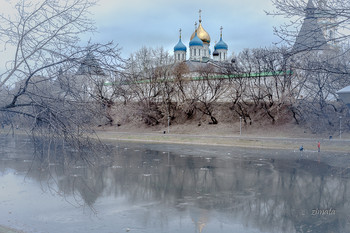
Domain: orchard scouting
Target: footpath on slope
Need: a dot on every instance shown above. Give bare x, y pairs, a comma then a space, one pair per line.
251, 141
334, 152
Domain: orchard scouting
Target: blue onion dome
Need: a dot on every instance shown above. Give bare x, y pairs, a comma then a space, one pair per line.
180, 46
221, 45
196, 41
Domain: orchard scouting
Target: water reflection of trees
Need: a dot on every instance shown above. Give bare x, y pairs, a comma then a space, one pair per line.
271, 195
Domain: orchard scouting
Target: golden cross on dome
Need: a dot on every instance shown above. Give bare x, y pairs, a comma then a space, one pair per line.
195, 26
200, 16
180, 32
221, 31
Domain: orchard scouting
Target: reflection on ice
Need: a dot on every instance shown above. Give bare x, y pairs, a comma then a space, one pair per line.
186, 191
204, 168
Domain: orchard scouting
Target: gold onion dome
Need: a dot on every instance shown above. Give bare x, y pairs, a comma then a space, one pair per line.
202, 34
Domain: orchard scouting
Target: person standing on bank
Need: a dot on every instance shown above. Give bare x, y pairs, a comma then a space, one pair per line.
319, 146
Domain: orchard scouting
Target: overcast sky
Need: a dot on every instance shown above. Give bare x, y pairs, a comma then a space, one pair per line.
154, 23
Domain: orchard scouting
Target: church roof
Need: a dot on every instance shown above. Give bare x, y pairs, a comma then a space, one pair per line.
195, 66
310, 36
196, 41
201, 33
310, 5
221, 45
344, 90
180, 46
90, 66
344, 95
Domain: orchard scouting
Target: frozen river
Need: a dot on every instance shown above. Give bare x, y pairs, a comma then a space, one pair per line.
134, 187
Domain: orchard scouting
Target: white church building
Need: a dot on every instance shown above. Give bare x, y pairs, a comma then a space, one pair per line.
199, 47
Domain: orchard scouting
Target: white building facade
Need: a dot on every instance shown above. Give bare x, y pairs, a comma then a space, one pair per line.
199, 47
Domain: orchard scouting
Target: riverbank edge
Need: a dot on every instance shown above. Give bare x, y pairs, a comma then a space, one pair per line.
4, 229
254, 142
247, 141
334, 152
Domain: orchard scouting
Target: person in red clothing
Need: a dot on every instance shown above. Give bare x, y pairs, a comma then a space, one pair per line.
319, 146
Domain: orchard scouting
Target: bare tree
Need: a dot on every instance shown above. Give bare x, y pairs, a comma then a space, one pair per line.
208, 89
318, 33
45, 37
332, 16
147, 76
265, 84
238, 97
319, 79
184, 97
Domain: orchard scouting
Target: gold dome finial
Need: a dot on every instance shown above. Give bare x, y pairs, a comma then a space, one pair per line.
180, 32
200, 16
201, 33
221, 31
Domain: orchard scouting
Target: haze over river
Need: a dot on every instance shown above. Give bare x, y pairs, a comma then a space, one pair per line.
135, 187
